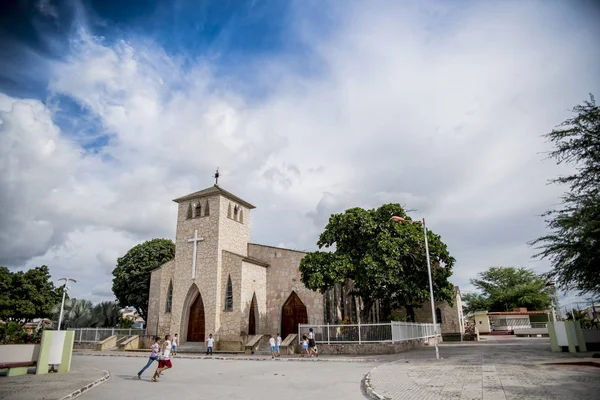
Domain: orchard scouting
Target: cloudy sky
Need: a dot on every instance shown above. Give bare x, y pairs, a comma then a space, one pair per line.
109, 112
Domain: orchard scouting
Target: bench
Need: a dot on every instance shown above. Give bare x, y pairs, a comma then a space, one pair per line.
17, 368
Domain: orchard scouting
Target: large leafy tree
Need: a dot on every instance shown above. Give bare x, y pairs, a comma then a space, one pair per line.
506, 288
573, 244
131, 282
27, 295
385, 260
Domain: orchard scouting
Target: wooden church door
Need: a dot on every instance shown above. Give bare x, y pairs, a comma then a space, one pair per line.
293, 313
195, 331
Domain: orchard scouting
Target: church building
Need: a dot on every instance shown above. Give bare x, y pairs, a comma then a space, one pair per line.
221, 284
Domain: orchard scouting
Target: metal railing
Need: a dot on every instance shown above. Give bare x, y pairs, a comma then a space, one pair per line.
87, 335
390, 332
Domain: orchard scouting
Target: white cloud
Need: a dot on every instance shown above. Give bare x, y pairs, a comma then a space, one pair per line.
444, 119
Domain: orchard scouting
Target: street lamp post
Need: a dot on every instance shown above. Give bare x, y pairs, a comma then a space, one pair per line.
434, 319
62, 305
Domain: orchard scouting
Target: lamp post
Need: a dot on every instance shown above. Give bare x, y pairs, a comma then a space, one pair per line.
62, 305
434, 319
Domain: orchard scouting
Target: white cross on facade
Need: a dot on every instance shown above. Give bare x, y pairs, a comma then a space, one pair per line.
195, 239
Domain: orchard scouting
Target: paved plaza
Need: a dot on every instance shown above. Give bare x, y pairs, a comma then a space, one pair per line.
228, 379
500, 368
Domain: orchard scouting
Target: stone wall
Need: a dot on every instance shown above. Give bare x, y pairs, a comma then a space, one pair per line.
283, 277
372, 348
154, 301
231, 265
254, 282
207, 266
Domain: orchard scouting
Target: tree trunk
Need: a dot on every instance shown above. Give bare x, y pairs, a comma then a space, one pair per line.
366, 310
410, 312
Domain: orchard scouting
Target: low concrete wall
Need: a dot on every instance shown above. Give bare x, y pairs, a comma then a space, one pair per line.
132, 343
372, 348
85, 346
253, 344
11, 353
107, 343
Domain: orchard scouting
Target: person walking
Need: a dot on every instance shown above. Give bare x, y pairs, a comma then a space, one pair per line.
278, 345
153, 356
304, 346
164, 358
210, 343
312, 344
272, 344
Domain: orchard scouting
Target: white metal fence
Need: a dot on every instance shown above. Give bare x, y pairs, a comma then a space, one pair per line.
390, 332
83, 335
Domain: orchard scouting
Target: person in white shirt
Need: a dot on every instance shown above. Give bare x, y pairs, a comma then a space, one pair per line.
272, 344
164, 358
278, 345
210, 342
175, 344
153, 356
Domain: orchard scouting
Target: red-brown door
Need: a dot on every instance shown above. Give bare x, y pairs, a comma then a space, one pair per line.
252, 319
196, 322
293, 313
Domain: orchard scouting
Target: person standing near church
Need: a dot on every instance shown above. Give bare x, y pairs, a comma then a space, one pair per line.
164, 358
153, 356
175, 344
312, 345
272, 344
278, 345
210, 342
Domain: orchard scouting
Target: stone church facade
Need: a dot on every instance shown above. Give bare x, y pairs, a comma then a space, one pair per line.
234, 288
221, 284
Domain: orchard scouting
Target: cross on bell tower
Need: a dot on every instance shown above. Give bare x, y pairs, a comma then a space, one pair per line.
216, 176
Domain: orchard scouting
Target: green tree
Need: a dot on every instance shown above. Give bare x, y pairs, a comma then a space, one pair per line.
77, 313
385, 260
27, 295
131, 282
506, 288
106, 314
573, 245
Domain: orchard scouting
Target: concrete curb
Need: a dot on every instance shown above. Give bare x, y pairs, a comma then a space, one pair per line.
358, 360
368, 387
84, 389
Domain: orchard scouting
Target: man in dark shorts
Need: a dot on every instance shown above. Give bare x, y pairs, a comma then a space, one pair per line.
312, 344
164, 358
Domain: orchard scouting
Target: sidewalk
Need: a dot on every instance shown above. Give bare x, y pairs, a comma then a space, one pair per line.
52, 386
506, 368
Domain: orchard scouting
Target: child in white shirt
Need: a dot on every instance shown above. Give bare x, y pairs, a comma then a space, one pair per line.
272, 344
210, 342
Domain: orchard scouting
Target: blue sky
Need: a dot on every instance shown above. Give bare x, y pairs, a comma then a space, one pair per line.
309, 107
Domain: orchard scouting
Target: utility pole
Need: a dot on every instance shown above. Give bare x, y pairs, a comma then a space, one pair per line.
62, 305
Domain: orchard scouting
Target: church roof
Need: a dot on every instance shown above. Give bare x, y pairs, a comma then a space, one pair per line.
211, 191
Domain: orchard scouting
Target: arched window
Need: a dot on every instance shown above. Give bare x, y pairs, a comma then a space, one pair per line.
229, 211
190, 211
198, 210
438, 315
241, 216
235, 212
206, 209
229, 295
169, 298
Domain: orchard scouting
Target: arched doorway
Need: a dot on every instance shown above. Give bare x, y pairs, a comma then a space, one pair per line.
293, 313
195, 331
252, 317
